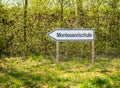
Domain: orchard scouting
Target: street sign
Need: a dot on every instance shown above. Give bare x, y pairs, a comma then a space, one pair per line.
84, 34
76, 34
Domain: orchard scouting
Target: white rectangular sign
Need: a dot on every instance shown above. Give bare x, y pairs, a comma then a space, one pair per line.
84, 34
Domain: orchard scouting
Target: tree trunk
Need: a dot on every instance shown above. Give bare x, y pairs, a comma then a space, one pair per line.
61, 13
25, 19
80, 13
25, 26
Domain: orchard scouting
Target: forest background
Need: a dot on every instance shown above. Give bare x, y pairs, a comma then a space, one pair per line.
24, 25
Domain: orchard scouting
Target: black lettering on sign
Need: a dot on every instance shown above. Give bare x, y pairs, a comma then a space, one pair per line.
74, 35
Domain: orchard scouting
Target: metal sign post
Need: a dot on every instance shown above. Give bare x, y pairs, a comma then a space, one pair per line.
93, 52
57, 51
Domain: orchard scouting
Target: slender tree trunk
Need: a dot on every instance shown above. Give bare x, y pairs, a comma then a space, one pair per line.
80, 13
25, 19
25, 26
4, 32
61, 13
4, 20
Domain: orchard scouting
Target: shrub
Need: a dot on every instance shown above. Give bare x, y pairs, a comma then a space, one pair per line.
97, 83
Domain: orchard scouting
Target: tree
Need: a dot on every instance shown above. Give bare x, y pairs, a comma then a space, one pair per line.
25, 24
80, 12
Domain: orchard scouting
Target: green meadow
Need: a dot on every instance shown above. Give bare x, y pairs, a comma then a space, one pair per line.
36, 72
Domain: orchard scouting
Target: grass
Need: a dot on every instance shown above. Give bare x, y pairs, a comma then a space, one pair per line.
44, 73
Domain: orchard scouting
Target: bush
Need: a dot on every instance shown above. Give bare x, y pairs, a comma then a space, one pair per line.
97, 83
34, 57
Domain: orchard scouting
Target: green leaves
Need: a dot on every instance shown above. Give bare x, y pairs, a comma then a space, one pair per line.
46, 15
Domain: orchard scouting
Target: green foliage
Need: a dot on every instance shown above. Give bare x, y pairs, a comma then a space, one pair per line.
16, 73
44, 16
75, 60
116, 79
97, 83
104, 70
36, 78
60, 67
34, 57
101, 82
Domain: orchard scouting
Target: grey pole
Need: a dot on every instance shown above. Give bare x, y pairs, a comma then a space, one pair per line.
57, 51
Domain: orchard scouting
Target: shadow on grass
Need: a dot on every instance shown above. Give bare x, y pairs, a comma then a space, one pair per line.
29, 80
20, 76
115, 78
